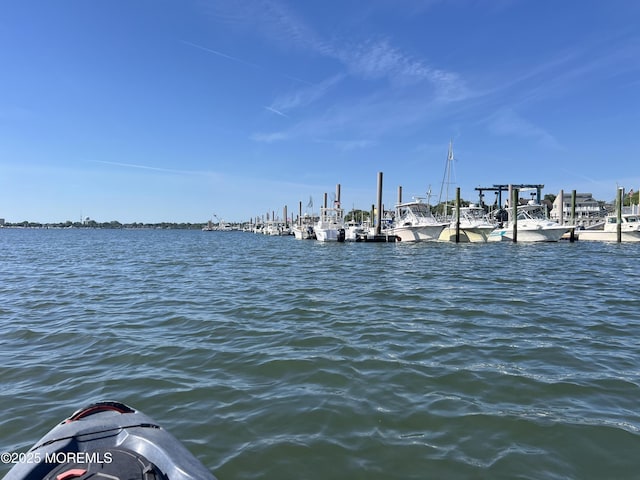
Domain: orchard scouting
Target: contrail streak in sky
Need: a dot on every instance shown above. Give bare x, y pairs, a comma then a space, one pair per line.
277, 112
220, 54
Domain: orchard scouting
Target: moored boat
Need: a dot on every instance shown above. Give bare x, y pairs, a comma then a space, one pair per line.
303, 229
475, 226
629, 229
330, 226
414, 222
532, 226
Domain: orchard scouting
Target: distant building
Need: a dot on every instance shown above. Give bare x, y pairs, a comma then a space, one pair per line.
588, 209
1, 222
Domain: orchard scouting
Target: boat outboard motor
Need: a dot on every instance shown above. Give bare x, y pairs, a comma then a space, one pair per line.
108, 440
501, 215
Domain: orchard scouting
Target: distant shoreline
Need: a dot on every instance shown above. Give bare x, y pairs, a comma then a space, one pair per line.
107, 225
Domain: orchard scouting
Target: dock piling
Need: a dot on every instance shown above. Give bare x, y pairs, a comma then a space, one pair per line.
515, 193
457, 214
379, 216
572, 235
619, 201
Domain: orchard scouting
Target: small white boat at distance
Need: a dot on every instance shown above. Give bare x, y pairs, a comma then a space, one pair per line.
273, 228
414, 222
303, 229
208, 227
629, 228
357, 231
532, 226
330, 226
475, 226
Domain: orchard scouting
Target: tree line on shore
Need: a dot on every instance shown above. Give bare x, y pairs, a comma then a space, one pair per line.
114, 224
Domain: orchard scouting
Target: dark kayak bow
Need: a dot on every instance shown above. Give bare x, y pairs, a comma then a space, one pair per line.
108, 440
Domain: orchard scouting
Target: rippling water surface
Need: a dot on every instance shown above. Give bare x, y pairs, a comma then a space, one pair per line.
272, 358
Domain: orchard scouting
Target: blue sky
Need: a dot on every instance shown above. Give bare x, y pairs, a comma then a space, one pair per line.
176, 110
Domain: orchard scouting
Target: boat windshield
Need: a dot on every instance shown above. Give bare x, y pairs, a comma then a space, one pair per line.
419, 209
473, 213
531, 213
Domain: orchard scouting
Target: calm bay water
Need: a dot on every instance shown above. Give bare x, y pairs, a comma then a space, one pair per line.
272, 358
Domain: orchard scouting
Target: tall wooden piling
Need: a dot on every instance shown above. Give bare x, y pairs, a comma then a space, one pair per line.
379, 216
572, 235
515, 193
400, 194
457, 214
619, 214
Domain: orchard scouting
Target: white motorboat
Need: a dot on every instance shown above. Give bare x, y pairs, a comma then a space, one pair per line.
629, 228
356, 231
532, 226
275, 229
303, 230
208, 227
475, 226
414, 222
330, 226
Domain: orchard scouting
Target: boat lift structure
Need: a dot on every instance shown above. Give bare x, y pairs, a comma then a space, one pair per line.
505, 188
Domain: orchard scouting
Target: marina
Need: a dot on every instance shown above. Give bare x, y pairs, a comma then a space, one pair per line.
514, 220
511, 218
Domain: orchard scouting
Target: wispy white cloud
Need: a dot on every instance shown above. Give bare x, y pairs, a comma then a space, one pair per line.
356, 144
270, 19
305, 96
366, 58
347, 145
366, 119
269, 137
570, 71
507, 122
373, 59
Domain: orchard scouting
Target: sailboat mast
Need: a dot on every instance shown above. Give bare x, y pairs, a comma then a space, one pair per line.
446, 179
